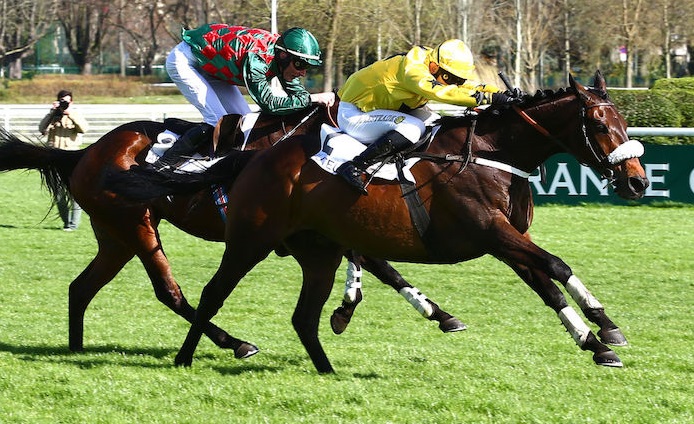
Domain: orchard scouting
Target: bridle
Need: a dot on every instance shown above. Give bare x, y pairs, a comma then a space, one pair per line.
604, 162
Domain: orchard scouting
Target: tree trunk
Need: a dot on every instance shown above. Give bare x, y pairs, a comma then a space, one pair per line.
567, 42
519, 45
328, 63
666, 44
15, 68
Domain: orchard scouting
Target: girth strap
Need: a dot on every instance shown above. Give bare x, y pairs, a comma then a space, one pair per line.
418, 214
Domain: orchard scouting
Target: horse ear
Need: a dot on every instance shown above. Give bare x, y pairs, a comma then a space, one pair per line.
599, 82
579, 88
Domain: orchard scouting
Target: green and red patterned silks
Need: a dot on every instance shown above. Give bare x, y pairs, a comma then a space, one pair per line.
222, 50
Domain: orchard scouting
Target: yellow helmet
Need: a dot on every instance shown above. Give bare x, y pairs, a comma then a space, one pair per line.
454, 57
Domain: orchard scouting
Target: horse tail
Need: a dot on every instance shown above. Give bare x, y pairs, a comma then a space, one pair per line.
55, 165
142, 183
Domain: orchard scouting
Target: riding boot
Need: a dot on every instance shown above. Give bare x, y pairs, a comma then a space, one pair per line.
390, 142
185, 145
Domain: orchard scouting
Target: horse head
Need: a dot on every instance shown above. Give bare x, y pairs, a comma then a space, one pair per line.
607, 147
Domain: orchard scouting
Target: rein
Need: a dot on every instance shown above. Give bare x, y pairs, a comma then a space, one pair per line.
603, 160
293, 130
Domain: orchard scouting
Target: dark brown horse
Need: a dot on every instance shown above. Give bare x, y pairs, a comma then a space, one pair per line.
125, 229
474, 188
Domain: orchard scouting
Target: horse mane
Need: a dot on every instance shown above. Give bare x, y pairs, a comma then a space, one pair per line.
498, 111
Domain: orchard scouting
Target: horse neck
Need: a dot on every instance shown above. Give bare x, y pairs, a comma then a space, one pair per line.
534, 133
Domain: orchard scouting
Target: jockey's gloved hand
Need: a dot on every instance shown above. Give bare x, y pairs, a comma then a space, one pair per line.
515, 93
503, 99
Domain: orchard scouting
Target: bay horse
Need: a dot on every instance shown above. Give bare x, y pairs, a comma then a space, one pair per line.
473, 182
125, 229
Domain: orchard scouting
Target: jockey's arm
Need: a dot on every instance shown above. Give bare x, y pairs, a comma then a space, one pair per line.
254, 74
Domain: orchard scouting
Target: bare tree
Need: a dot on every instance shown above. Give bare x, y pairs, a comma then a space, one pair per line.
144, 36
22, 24
630, 16
85, 23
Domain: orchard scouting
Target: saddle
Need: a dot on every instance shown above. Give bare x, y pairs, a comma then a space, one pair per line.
228, 133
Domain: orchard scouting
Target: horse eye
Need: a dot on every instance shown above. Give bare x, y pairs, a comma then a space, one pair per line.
602, 128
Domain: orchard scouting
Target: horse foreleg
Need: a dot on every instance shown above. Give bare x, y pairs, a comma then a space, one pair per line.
537, 268
593, 310
428, 309
609, 333
102, 269
554, 298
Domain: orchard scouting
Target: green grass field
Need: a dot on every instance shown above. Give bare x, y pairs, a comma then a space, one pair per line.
514, 364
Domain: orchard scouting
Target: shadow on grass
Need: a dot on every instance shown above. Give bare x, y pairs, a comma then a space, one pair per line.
91, 357
158, 358
95, 356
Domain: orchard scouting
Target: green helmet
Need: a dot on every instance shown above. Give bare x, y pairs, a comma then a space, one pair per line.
300, 43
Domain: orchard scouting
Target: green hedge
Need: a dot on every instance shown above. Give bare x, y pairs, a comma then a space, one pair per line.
669, 103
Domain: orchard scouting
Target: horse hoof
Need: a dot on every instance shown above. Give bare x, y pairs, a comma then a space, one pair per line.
183, 362
613, 337
338, 322
607, 359
246, 350
451, 325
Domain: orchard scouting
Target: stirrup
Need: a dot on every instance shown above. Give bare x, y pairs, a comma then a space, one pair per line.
352, 174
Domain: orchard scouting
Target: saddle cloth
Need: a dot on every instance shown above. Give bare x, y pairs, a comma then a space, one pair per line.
338, 148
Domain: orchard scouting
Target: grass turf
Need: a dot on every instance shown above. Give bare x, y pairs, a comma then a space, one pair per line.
515, 363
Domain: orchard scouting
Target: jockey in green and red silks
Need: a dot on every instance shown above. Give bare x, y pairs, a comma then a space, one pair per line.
212, 61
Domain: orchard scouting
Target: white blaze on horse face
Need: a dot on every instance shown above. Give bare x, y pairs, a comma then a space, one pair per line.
574, 325
418, 300
353, 282
581, 295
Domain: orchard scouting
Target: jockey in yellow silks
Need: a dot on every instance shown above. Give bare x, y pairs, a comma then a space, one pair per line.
383, 105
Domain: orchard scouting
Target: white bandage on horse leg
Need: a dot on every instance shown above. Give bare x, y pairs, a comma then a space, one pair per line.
581, 295
418, 300
574, 325
352, 283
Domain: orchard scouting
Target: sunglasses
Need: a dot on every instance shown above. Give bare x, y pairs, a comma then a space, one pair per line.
450, 79
300, 65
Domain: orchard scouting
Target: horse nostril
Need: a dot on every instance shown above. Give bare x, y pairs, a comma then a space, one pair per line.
638, 184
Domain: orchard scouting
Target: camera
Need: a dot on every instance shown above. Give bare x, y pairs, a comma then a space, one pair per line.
63, 104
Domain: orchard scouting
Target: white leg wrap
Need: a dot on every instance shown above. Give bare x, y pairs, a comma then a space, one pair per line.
352, 283
581, 295
574, 325
418, 300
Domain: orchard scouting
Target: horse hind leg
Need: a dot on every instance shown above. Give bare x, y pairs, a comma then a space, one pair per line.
353, 295
102, 269
235, 264
318, 263
388, 275
170, 294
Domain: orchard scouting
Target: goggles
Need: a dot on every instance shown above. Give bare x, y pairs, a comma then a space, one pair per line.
448, 78
300, 64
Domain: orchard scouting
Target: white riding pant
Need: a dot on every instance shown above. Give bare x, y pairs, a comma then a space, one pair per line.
368, 127
213, 97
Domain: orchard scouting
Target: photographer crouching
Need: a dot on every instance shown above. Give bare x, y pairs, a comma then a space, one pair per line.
64, 127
